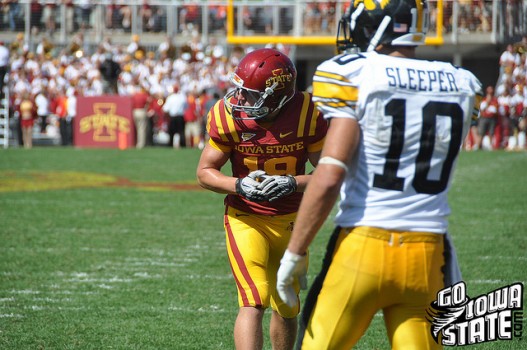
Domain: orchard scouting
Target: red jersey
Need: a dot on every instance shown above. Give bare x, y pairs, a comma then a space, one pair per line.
278, 148
140, 99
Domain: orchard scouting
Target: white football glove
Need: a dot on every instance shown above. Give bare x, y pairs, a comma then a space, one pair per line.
291, 266
276, 186
247, 187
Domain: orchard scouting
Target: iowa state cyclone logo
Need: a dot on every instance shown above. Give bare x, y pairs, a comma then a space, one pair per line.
459, 320
105, 123
278, 78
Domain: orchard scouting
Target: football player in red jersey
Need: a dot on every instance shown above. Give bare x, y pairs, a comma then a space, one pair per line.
268, 130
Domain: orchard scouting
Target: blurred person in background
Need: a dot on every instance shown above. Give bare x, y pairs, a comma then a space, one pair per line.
4, 66
175, 106
505, 109
61, 111
157, 118
72, 94
141, 100
210, 101
27, 113
42, 105
192, 118
489, 110
110, 71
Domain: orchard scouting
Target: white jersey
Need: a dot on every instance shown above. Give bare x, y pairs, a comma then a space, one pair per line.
413, 115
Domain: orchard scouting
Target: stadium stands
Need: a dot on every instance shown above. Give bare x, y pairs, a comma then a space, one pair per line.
58, 46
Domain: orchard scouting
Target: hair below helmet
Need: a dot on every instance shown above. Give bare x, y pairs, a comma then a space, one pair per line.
266, 79
370, 23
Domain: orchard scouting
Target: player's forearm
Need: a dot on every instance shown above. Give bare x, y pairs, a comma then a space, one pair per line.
301, 182
214, 180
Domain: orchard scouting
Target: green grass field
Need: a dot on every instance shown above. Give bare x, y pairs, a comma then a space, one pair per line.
108, 249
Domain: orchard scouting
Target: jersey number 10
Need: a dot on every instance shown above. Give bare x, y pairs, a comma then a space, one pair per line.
396, 108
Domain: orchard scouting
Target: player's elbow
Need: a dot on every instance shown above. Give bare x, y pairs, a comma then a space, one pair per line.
208, 179
328, 182
201, 177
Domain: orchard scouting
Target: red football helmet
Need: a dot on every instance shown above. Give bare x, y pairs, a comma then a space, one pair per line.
264, 82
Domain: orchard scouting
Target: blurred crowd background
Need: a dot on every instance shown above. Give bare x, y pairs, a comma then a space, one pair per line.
58, 50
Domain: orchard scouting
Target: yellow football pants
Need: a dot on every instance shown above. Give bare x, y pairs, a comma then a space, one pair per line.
368, 269
255, 245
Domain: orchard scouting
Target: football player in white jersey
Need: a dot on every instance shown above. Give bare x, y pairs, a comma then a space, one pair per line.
396, 127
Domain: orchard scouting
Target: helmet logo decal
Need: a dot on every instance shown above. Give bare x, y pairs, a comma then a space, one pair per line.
278, 77
236, 80
400, 27
372, 4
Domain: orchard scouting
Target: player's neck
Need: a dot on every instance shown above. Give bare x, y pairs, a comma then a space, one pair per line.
397, 51
268, 120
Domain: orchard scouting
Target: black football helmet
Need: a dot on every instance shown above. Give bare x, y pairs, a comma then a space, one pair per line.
369, 23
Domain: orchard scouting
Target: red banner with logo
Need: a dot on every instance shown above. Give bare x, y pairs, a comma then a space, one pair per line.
104, 121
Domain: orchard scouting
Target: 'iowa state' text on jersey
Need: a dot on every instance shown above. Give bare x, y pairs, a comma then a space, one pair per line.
278, 148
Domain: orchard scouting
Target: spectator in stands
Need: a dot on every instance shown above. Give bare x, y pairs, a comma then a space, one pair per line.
488, 117
472, 139
110, 13
167, 47
156, 116
483, 13
19, 45
517, 112
125, 14
77, 44
110, 71
135, 46
35, 9
158, 22
49, 16
209, 103
312, 18
70, 15
42, 105
72, 94
84, 10
522, 129
145, 14
218, 15
44, 48
503, 125
14, 14
61, 111
175, 106
193, 118
521, 46
508, 58
189, 17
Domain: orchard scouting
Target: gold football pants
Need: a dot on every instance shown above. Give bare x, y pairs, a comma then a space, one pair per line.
368, 269
255, 245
